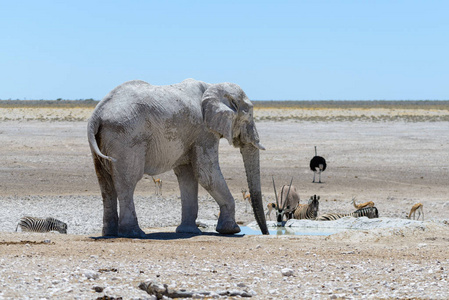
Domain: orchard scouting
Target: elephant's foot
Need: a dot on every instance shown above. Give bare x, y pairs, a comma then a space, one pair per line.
110, 229
131, 232
109, 232
183, 228
227, 227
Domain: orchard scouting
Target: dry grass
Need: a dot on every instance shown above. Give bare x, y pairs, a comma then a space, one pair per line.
46, 110
367, 111
48, 103
295, 111
258, 104
318, 105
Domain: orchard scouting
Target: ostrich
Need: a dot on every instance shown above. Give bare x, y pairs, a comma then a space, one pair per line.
317, 164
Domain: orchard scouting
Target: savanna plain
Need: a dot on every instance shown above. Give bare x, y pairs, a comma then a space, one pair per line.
395, 154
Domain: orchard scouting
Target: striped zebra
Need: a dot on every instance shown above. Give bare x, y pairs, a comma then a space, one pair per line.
307, 211
41, 225
370, 212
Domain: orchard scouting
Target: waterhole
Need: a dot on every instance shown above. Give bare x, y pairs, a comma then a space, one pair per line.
209, 226
245, 230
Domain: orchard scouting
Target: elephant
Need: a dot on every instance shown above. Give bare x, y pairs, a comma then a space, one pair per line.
139, 128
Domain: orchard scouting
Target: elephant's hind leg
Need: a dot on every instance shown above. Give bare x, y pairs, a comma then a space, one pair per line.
109, 195
127, 174
188, 186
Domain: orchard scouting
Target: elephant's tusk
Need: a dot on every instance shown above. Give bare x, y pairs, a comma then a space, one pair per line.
258, 146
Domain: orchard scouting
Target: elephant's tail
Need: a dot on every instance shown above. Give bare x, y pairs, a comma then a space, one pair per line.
92, 130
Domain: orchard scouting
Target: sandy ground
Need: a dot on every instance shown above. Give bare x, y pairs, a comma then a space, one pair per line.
46, 170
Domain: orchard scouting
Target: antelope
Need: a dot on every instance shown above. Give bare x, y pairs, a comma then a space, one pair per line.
417, 207
359, 206
270, 207
246, 198
158, 183
287, 204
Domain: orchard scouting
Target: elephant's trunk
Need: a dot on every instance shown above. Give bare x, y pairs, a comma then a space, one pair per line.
250, 156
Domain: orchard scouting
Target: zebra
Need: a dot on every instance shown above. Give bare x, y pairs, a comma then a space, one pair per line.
34, 224
370, 212
307, 211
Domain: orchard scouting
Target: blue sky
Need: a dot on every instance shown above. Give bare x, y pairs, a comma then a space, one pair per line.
275, 50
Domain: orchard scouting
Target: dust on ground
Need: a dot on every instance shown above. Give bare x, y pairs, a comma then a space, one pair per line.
395, 163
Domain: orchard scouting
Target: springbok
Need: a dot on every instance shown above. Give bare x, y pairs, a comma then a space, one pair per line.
360, 206
417, 207
270, 207
247, 199
158, 183
287, 204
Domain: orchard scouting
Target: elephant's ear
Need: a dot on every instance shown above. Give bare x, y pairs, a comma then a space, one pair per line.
219, 112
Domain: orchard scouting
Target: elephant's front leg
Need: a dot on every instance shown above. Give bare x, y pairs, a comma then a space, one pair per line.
220, 192
188, 185
210, 177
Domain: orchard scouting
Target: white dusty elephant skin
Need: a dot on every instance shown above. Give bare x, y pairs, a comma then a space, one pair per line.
139, 128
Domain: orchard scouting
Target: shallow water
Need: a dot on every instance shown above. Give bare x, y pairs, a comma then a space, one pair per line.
245, 230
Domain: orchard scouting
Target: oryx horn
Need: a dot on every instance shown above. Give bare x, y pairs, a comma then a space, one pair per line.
288, 192
275, 194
